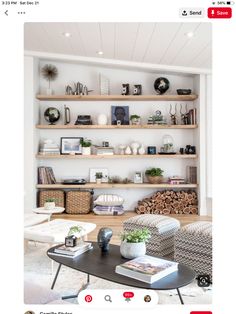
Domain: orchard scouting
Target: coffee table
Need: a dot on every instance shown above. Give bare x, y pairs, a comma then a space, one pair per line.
102, 265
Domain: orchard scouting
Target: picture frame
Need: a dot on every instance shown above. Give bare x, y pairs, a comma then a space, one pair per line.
138, 177
71, 145
92, 174
120, 115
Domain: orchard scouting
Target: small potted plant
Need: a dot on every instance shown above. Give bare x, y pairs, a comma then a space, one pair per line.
99, 177
154, 175
135, 119
133, 243
86, 147
49, 203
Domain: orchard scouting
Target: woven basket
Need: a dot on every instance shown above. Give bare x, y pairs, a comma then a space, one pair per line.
78, 202
58, 195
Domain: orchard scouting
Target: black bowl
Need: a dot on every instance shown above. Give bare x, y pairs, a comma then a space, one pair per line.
183, 91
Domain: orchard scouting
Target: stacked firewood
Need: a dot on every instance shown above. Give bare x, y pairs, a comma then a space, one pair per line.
169, 202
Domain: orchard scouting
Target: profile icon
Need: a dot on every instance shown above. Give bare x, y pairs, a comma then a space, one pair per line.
147, 298
29, 312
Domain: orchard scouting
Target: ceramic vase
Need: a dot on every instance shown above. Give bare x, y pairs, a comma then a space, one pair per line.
86, 150
135, 147
102, 119
128, 150
132, 250
141, 150
49, 205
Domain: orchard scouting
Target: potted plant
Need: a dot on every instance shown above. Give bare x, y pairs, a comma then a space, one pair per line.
133, 243
135, 119
86, 147
49, 203
154, 175
99, 177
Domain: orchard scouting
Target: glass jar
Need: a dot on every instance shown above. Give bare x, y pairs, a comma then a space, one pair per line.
167, 144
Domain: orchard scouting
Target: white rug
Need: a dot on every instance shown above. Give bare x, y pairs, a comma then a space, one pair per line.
38, 269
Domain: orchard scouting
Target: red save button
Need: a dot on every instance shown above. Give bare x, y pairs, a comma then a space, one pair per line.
219, 13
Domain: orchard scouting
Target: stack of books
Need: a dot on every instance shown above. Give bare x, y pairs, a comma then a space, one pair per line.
49, 148
46, 175
71, 252
101, 150
192, 116
192, 174
176, 180
147, 268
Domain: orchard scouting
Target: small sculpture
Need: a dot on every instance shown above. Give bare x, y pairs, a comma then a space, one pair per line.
128, 150
184, 116
137, 90
173, 116
103, 238
135, 147
125, 89
141, 150
69, 90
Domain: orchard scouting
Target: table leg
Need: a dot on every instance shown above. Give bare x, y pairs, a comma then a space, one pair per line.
55, 278
180, 296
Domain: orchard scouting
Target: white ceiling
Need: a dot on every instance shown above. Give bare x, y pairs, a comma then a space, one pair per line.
157, 43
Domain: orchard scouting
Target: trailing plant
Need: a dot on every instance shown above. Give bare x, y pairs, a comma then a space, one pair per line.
136, 236
134, 116
154, 172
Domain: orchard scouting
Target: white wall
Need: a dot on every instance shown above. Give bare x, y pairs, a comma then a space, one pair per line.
69, 73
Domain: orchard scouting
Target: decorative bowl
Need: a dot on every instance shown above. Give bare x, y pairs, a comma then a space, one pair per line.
184, 91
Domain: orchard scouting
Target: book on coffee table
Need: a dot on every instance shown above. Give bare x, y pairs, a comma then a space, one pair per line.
147, 268
72, 252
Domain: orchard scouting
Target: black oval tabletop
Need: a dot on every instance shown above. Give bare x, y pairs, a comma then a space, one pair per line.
103, 265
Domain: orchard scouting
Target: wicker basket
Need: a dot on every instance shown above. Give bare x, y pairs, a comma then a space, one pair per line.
78, 202
154, 180
58, 195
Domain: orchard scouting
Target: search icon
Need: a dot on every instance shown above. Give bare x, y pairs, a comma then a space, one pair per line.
107, 298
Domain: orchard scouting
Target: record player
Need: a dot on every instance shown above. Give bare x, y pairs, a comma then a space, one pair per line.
83, 120
74, 181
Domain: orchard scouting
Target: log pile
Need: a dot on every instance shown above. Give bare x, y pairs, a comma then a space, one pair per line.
169, 202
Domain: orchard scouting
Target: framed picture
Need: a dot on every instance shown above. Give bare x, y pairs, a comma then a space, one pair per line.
71, 145
120, 115
138, 177
92, 174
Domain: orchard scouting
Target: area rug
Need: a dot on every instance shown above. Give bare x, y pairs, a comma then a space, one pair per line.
37, 268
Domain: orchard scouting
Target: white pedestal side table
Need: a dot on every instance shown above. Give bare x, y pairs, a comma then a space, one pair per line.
49, 212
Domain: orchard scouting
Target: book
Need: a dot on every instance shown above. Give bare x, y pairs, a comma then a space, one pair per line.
71, 252
147, 268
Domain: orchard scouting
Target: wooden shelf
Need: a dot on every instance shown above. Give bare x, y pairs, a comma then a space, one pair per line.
144, 126
115, 186
117, 97
177, 156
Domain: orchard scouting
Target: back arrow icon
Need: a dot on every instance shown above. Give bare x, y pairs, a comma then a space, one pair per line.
6, 12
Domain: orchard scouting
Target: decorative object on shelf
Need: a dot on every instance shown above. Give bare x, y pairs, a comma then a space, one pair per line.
168, 145
103, 84
173, 116
137, 90
138, 177
49, 147
122, 149
99, 177
157, 118
192, 116
181, 150
120, 115
176, 180
151, 150
183, 91
125, 89
50, 73
190, 149
128, 150
126, 181
66, 115
161, 85
49, 204
169, 202
105, 144
133, 243
154, 175
52, 115
78, 88
184, 115
191, 174
74, 181
115, 179
141, 150
71, 145
103, 238
135, 147
92, 174
69, 90
104, 150
135, 119
83, 120
86, 146
102, 119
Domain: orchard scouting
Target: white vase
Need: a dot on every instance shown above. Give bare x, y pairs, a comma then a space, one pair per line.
98, 181
49, 205
48, 91
86, 150
135, 147
128, 150
102, 119
132, 250
141, 150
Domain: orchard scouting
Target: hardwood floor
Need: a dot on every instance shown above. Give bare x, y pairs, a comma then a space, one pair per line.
115, 222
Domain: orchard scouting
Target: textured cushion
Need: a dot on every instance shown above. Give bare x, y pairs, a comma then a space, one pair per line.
109, 200
36, 294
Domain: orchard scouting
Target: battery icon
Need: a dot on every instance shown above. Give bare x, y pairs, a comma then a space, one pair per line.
230, 2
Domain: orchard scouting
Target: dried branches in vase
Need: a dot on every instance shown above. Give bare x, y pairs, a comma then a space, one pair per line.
50, 73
